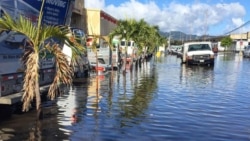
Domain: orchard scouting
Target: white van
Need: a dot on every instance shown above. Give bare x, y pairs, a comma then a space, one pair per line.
239, 45
197, 53
131, 49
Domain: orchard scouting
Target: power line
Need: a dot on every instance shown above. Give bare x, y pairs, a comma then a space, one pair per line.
238, 27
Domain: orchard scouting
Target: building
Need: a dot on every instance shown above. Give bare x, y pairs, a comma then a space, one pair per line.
99, 22
92, 21
241, 36
78, 16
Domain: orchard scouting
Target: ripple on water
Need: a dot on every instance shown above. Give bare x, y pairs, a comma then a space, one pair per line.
161, 101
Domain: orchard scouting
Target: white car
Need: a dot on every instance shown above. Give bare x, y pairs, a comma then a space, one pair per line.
198, 53
246, 51
16, 39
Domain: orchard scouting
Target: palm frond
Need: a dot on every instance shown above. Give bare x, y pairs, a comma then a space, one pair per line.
63, 72
22, 25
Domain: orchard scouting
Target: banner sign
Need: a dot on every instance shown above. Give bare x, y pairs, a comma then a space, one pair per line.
54, 11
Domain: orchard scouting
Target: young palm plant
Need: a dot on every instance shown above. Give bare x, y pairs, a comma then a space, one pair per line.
37, 34
94, 45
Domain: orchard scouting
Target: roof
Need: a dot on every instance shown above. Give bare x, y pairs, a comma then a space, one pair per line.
202, 42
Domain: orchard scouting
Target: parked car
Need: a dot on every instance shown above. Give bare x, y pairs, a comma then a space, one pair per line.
198, 53
179, 51
246, 51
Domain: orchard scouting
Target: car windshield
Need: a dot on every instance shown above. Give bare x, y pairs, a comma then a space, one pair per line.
196, 47
79, 35
130, 43
123, 43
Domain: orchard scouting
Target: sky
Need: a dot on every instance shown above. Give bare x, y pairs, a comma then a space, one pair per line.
199, 17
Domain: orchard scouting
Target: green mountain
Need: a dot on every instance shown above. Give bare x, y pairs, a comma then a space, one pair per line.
178, 35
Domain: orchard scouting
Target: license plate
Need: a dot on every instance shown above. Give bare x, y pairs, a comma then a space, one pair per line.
201, 61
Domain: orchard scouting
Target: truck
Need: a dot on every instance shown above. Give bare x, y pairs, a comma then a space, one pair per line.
132, 50
108, 57
197, 53
82, 69
12, 69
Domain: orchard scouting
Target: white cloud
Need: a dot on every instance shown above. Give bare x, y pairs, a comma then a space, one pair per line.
237, 21
196, 18
98, 4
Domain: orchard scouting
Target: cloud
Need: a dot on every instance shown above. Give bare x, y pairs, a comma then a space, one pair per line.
97, 4
237, 21
195, 18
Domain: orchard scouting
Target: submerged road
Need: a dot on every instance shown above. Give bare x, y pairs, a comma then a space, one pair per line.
163, 100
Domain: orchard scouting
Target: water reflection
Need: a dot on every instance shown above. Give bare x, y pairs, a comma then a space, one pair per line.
228, 56
229, 68
197, 75
134, 103
70, 105
26, 127
162, 100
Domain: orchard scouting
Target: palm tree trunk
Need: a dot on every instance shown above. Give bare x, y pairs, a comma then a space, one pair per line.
31, 83
125, 59
38, 103
96, 59
131, 63
97, 71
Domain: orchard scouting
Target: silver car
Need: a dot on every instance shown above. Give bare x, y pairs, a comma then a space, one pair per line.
246, 51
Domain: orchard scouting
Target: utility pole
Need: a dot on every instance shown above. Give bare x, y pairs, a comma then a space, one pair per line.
241, 43
205, 27
169, 39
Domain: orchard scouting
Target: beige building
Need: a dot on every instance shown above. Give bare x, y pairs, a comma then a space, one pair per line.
243, 36
92, 21
99, 22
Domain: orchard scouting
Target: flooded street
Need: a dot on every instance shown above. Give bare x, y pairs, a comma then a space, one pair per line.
163, 100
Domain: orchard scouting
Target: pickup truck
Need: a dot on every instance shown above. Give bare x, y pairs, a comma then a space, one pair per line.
198, 53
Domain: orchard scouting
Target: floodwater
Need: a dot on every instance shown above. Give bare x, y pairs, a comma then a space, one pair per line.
164, 100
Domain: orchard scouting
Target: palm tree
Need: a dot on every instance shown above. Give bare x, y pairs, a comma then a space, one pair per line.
147, 37
144, 37
126, 29
37, 34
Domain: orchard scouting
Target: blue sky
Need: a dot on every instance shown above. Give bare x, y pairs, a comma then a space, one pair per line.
213, 17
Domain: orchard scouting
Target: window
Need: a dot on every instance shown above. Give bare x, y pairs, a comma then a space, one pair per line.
123, 43
198, 47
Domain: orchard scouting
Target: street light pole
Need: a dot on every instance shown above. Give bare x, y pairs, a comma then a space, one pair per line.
240, 53
169, 39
